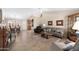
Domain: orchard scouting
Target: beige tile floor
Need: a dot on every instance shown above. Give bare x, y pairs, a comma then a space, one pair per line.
29, 41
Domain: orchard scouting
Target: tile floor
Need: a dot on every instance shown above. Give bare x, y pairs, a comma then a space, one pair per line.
29, 41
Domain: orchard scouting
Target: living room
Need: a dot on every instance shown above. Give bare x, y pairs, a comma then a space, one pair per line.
53, 23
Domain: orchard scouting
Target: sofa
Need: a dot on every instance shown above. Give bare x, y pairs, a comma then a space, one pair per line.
57, 32
38, 29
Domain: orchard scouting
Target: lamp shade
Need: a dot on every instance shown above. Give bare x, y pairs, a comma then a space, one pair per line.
76, 26
44, 25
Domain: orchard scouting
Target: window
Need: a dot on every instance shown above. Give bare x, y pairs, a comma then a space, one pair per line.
77, 18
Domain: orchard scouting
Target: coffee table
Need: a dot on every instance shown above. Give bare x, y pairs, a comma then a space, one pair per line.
46, 35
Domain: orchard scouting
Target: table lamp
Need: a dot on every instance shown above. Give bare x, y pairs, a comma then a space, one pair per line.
76, 27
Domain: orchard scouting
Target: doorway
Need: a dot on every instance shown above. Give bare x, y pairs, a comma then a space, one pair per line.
30, 24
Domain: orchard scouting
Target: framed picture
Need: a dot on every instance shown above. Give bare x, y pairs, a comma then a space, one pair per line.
59, 22
49, 22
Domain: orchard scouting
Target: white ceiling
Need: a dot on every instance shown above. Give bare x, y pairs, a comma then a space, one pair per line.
20, 13
59, 9
24, 13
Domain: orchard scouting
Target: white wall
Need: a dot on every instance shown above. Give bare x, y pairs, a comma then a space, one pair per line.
37, 21
22, 14
54, 16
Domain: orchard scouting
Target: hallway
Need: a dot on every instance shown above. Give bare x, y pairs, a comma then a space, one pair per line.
29, 41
